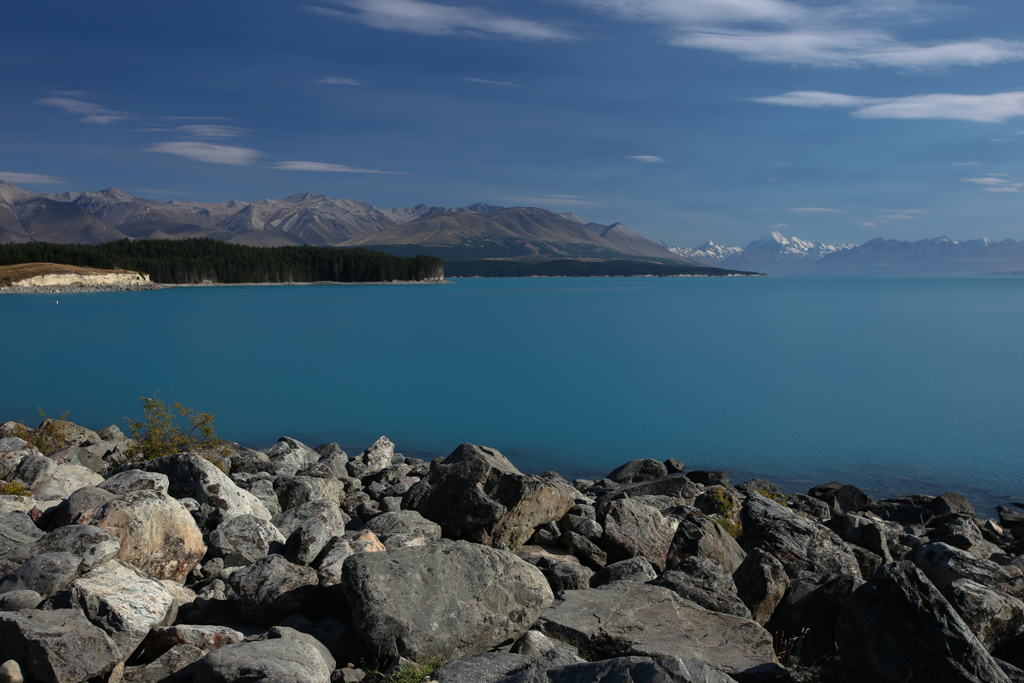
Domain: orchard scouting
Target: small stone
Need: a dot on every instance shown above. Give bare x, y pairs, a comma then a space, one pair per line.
10, 672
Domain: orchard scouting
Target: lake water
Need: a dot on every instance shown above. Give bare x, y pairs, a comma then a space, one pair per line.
897, 386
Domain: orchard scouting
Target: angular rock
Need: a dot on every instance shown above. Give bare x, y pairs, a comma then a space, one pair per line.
17, 528
634, 569
19, 600
157, 534
294, 491
242, 540
800, 544
396, 529
673, 486
123, 601
477, 494
306, 542
204, 637
135, 480
192, 476
66, 480
624, 619
898, 627
94, 545
950, 503
174, 666
586, 527
644, 469
333, 518
863, 531
445, 599
963, 532
272, 588
699, 536
944, 564
761, 582
34, 470
625, 670
56, 646
374, 459
10, 672
12, 451
588, 552
263, 661
288, 633
996, 619
485, 667
292, 454
339, 549
809, 612
83, 499
632, 529
845, 497
45, 574
705, 582
563, 572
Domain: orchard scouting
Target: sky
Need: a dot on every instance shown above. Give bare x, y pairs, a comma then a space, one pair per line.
687, 120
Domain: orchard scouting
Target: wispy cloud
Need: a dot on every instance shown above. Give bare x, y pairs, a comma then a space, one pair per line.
995, 182
901, 215
647, 158
427, 18
30, 178
994, 108
89, 111
209, 153
338, 80
203, 130
966, 163
856, 33
553, 200
490, 82
318, 167
811, 209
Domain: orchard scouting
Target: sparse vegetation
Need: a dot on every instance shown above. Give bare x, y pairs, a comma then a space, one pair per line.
14, 488
413, 673
158, 433
723, 504
779, 498
49, 436
732, 527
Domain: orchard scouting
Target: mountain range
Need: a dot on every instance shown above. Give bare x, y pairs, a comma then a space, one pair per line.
774, 254
469, 232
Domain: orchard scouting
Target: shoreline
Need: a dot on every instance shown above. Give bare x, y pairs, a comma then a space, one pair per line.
93, 289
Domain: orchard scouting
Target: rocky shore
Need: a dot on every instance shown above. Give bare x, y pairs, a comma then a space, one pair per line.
304, 565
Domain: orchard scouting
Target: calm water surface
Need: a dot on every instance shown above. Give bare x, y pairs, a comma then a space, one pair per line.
897, 386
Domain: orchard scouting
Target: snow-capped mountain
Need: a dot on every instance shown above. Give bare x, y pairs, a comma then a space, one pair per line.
774, 253
709, 251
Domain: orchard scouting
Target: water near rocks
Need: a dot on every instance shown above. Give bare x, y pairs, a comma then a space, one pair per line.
897, 386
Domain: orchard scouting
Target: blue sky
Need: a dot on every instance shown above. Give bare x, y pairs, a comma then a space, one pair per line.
687, 120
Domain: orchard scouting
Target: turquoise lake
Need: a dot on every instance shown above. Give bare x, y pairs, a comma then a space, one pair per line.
897, 386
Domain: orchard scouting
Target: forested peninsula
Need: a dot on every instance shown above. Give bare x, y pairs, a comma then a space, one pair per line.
207, 260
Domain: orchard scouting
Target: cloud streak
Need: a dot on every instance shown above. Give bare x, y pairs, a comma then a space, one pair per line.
995, 182
319, 167
852, 34
490, 82
427, 18
30, 179
994, 108
89, 111
647, 158
553, 200
208, 153
338, 80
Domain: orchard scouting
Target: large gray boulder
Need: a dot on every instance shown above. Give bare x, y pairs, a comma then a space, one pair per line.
292, 455
45, 574
332, 558
135, 480
642, 469
277, 660
395, 529
92, 544
898, 627
56, 646
797, 542
944, 564
66, 479
632, 529
625, 670
273, 588
625, 618
244, 539
34, 470
445, 599
374, 459
761, 582
996, 619
121, 600
17, 528
173, 666
485, 667
192, 476
334, 520
295, 490
700, 536
478, 495
809, 612
705, 582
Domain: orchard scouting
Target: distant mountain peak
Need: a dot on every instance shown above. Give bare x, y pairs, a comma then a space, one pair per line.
116, 195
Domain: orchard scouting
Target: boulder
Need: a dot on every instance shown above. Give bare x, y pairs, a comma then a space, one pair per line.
862, 531
708, 477
705, 582
374, 459
625, 670
761, 582
306, 542
157, 534
584, 526
92, 544
634, 569
996, 619
135, 480
626, 618
944, 564
898, 627
632, 529
272, 588
333, 518
296, 490
332, 558
17, 528
844, 497
45, 574
950, 504
174, 666
700, 536
563, 571
12, 451
445, 599
478, 495
797, 542
588, 552
34, 470
56, 646
395, 529
263, 661
244, 539
485, 667
192, 476
121, 600
644, 469
288, 633
83, 499
963, 532
19, 600
292, 454
201, 636
809, 612
673, 486
66, 480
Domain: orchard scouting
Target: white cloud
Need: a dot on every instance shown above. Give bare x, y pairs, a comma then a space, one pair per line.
489, 82
966, 163
209, 153
338, 80
854, 33
866, 224
210, 130
319, 167
812, 209
89, 111
647, 158
995, 182
994, 108
552, 200
417, 16
30, 179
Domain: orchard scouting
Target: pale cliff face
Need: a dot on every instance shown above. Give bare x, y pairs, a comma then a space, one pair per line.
77, 280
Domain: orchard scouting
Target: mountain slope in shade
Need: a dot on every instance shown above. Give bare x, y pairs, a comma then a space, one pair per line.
400, 215
308, 219
47, 220
10, 228
628, 241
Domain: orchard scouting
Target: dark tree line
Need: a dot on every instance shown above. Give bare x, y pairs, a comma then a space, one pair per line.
198, 260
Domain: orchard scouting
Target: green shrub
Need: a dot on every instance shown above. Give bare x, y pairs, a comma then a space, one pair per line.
733, 528
413, 673
158, 434
14, 488
49, 436
723, 503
